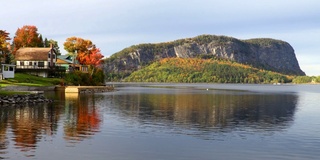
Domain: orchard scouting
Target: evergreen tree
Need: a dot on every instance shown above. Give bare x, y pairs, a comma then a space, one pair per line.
41, 42
46, 43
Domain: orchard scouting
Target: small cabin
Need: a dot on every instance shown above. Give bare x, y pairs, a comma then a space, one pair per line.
7, 71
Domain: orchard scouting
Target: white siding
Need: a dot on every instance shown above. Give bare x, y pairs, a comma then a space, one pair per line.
8, 71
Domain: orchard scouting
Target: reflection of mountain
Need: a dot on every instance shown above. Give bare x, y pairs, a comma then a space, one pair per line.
209, 111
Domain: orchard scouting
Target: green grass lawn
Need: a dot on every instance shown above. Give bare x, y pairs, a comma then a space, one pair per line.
10, 93
22, 79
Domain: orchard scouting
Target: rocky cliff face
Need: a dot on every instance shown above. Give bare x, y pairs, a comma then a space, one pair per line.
268, 54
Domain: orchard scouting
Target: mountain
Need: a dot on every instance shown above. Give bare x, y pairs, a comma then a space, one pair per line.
263, 53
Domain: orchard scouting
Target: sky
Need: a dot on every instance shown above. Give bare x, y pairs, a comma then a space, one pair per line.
116, 24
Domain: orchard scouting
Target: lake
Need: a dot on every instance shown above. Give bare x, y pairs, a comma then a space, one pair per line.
167, 121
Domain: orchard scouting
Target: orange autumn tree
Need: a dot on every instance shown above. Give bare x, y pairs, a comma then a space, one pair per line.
4, 38
4, 44
86, 53
27, 36
92, 58
77, 45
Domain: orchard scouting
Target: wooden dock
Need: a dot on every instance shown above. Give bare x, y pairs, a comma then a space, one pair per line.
84, 89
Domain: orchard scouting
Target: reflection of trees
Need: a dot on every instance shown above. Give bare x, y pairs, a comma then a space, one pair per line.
210, 111
27, 123
30, 122
3, 128
188, 112
83, 119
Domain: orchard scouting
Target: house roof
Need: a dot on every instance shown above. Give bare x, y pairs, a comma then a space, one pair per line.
65, 59
32, 54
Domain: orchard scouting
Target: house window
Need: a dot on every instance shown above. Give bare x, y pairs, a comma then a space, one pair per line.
30, 63
21, 63
49, 55
10, 68
35, 63
49, 64
84, 69
40, 64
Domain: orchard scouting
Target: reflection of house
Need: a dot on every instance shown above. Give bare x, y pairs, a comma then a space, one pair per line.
67, 62
36, 61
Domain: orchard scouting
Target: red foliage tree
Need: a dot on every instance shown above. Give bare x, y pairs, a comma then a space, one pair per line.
27, 36
92, 58
87, 53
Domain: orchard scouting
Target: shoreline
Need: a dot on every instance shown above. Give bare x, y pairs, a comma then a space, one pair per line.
111, 86
74, 89
27, 88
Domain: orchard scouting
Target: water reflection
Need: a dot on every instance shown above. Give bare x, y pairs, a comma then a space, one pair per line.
25, 125
198, 113
28, 124
83, 118
212, 111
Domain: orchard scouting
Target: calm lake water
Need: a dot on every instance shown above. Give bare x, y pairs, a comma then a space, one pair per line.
168, 121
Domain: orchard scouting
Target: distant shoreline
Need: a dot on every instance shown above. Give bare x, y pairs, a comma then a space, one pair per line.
141, 83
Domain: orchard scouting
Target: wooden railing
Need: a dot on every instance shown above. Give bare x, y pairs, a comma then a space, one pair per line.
32, 67
41, 67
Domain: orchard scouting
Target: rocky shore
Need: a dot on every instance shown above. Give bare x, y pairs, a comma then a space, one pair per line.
36, 93
24, 99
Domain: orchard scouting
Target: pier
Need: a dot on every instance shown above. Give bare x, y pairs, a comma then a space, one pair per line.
84, 89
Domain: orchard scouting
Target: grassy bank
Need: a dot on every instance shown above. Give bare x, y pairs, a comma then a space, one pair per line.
21, 79
10, 93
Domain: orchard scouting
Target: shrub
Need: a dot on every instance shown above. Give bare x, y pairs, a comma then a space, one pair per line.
85, 79
302, 79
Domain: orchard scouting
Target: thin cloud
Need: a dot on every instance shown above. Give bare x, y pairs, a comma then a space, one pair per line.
116, 24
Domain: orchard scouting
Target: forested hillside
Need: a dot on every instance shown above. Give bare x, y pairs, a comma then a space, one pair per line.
196, 70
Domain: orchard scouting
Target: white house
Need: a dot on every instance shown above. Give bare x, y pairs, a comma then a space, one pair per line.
7, 71
36, 61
